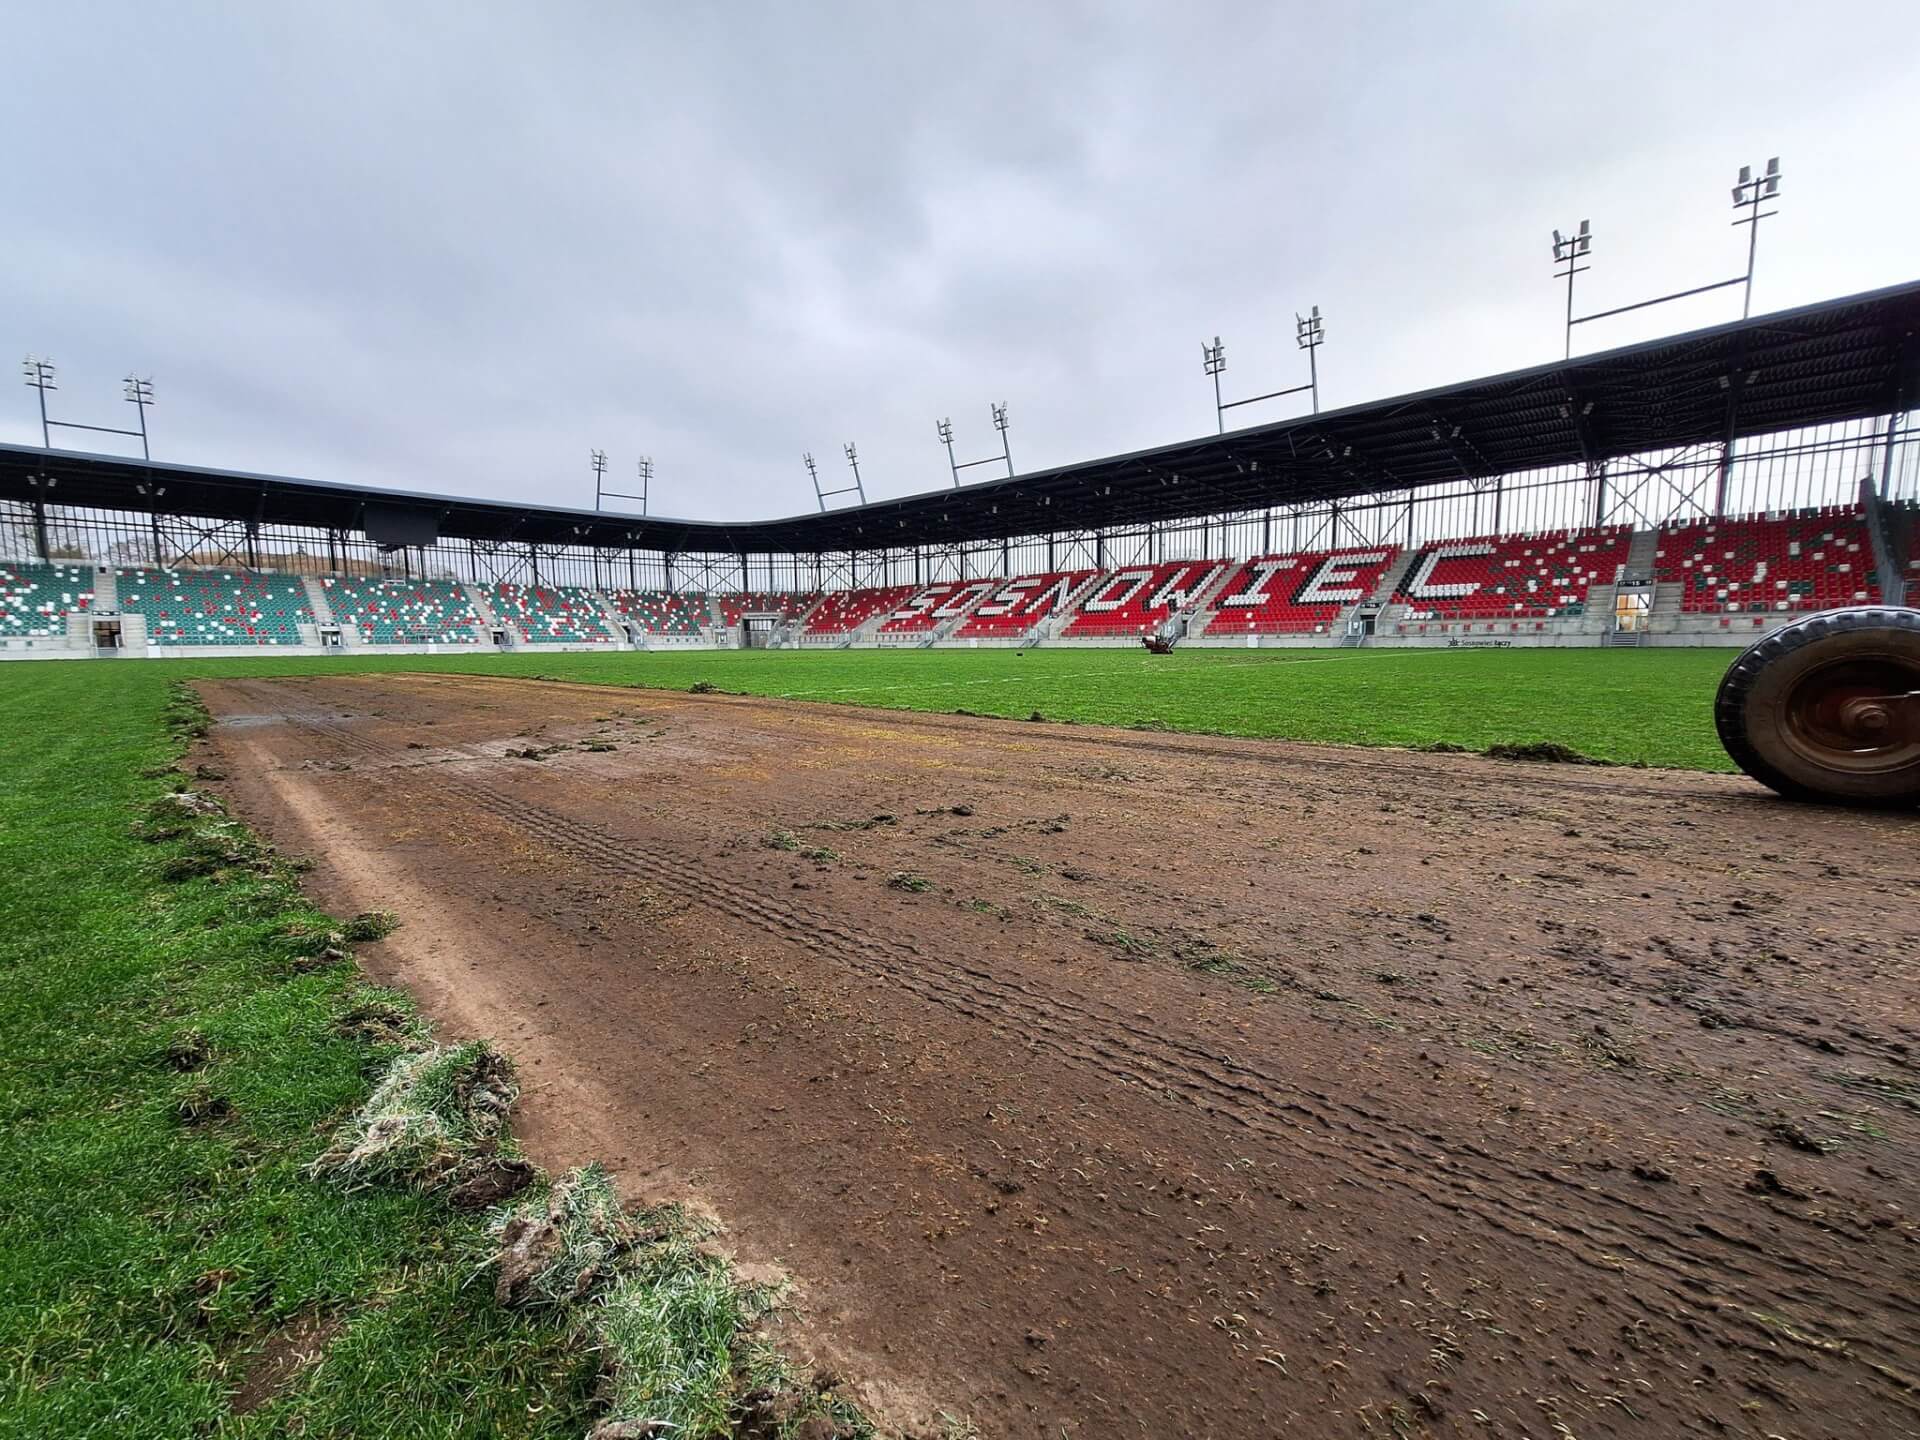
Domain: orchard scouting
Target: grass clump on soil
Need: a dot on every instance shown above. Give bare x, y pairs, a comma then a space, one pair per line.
787, 840
907, 880
667, 1330
369, 925
437, 1116
1541, 752
872, 822
680, 1341
557, 1249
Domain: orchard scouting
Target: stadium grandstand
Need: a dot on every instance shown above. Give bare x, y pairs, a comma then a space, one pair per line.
1694, 490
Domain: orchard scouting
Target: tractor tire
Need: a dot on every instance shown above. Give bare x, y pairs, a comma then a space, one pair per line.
1779, 709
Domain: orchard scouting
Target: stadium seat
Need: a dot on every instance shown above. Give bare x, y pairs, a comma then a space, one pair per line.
552, 614
1297, 594
846, 610
662, 612
925, 609
35, 600
1513, 577
403, 612
216, 607
1767, 564
1015, 606
1137, 600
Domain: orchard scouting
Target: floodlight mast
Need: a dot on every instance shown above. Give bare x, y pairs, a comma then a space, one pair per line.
601, 494
39, 375
1750, 192
1005, 457
1308, 334
822, 496
1569, 251
1213, 359
140, 394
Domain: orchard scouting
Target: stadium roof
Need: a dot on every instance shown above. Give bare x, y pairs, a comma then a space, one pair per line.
1843, 359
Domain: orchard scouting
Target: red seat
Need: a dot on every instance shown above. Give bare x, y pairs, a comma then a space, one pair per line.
1767, 564
1513, 577
1015, 606
1136, 600
1297, 594
926, 608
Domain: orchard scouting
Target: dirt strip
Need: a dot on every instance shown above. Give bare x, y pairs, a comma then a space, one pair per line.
1095, 1083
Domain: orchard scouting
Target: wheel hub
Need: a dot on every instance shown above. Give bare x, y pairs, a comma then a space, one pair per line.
1879, 718
1854, 716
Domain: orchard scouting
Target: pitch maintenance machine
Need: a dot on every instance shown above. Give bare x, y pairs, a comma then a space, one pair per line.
1828, 708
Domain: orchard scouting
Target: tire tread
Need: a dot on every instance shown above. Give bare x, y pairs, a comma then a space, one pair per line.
1736, 686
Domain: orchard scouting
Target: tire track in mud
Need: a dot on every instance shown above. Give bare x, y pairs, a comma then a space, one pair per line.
1689, 1265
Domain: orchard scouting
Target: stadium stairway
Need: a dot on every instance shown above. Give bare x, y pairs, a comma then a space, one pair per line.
1886, 553
1390, 579
489, 622
944, 630
865, 633
970, 595
106, 588
317, 600
1639, 561
1665, 610
1598, 618
1179, 624
1050, 626
1381, 602
615, 622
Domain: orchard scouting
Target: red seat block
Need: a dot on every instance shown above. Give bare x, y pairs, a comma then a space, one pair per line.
1297, 594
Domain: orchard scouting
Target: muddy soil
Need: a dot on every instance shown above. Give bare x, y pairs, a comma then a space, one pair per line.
1097, 1083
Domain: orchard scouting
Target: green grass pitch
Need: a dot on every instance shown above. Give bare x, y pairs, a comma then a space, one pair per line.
1649, 707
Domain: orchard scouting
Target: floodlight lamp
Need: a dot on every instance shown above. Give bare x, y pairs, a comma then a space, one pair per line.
1746, 175
1000, 416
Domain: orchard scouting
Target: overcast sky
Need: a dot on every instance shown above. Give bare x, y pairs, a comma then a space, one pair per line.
453, 247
